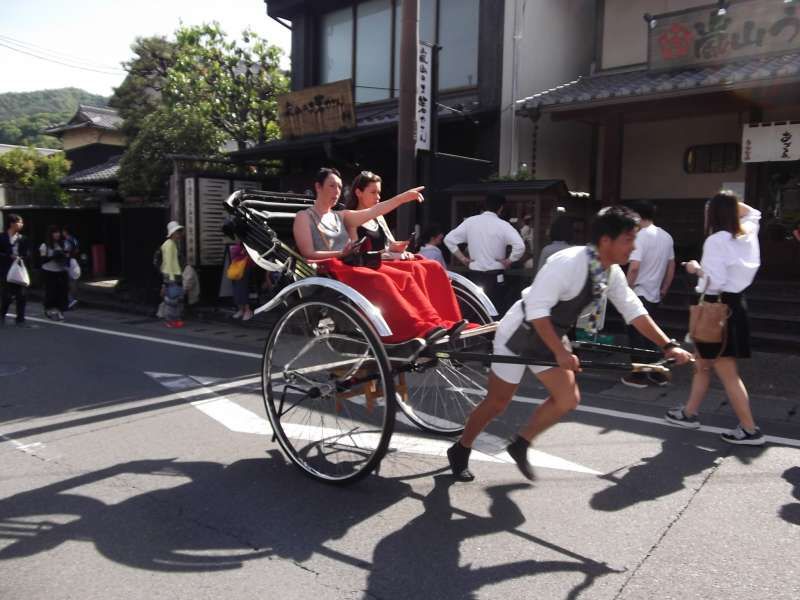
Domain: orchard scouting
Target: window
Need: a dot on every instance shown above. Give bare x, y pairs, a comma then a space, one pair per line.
712, 158
336, 49
373, 26
373, 50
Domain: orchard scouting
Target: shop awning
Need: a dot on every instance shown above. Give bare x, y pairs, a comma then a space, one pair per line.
642, 84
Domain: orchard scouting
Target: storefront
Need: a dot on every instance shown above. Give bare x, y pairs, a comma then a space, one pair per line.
677, 129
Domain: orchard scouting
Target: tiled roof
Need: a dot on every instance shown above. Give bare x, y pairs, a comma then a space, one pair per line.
643, 84
98, 174
90, 116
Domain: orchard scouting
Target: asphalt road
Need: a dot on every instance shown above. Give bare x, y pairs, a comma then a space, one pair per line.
135, 463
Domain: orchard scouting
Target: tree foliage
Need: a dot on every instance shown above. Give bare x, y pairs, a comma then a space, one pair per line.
233, 83
26, 168
145, 167
140, 94
63, 100
192, 95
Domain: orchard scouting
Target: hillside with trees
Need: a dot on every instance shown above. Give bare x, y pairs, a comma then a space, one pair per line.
23, 115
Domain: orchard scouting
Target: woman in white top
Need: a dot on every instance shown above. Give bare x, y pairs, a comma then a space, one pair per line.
55, 263
731, 258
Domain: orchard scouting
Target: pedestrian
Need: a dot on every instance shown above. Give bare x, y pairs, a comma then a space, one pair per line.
731, 258
55, 256
487, 237
650, 273
72, 247
171, 272
526, 232
432, 237
13, 246
561, 234
572, 281
241, 284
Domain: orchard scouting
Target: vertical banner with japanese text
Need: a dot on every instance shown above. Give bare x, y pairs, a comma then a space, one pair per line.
424, 107
190, 217
771, 142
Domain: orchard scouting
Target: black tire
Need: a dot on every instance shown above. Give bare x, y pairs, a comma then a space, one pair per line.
439, 399
330, 432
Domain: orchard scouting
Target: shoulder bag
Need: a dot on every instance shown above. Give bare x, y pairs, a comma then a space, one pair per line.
708, 321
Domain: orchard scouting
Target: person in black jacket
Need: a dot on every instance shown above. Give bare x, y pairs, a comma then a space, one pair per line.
12, 245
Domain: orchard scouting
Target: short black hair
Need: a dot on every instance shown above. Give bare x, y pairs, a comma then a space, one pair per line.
495, 202
613, 221
646, 209
562, 230
431, 231
323, 173
13, 218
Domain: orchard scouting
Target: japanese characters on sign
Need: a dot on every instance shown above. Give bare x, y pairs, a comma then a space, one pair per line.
703, 36
321, 109
767, 142
190, 219
424, 107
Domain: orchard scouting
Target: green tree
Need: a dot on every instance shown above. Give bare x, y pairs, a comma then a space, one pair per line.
234, 84
26, 168
140, 94
145, 167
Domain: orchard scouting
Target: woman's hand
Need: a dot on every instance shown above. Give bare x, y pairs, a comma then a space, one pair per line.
692, 267
412, 195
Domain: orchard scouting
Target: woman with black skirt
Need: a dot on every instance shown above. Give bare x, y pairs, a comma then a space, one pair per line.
55, 258
731, 257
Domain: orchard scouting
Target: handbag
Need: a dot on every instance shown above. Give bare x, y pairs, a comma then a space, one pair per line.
74, 269
236, 269
18, 273
708, 321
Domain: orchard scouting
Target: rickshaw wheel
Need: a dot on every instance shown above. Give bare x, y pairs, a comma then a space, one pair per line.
328, 390
438, 399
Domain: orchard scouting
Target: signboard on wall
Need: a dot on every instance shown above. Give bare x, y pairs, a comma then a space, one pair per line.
190, 215
423, 103
702, 36
769, 142
321, 109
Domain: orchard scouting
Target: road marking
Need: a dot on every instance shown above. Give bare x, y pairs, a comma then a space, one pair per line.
148, 338
241, 420
590, 409
31, 448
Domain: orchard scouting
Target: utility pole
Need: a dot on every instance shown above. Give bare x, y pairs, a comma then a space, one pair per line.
406, 127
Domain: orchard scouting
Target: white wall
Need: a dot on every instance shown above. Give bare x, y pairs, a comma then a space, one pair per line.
652, 156
625, 31
556, 46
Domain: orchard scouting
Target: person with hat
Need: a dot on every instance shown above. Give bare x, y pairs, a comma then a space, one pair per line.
171, 271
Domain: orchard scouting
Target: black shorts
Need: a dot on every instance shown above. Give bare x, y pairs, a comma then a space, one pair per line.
737, 340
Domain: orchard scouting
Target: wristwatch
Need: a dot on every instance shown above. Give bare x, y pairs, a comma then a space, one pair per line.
673, 343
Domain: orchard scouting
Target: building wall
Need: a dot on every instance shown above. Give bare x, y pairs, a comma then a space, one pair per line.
83, 137
625, 31
555, 45
652, 156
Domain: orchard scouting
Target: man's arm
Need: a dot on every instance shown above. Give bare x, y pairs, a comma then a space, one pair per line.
645, 325
454, 238
668, 277
514, 239
633, 272
564, 358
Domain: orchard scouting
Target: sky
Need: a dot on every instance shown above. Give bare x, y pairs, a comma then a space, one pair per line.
97, 36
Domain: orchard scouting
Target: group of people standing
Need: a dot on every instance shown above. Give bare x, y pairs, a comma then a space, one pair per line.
58, 257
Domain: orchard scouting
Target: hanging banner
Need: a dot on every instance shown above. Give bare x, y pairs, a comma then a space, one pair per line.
424, 108
322, 109
770, 142
190, 219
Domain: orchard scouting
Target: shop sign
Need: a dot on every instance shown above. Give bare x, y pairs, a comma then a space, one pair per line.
321, 109
768, 142
702, 36
424, 84
190, 218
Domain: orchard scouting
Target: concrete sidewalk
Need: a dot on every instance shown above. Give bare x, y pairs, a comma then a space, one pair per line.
772, 379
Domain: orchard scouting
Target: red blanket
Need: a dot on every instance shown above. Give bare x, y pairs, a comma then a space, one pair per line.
414, 296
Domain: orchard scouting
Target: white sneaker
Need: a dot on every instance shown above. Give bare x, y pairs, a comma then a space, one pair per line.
741, 437
238, 314
59, 315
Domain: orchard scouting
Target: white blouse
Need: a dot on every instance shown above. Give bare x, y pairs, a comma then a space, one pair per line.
730, 263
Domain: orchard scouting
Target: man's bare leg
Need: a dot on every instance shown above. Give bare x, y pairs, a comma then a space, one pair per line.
564, 397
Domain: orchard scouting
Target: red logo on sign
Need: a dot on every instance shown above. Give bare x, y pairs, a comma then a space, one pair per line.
675, 42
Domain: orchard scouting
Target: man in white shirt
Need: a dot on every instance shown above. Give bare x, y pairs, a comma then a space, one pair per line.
536, 326
650, 273
487, 237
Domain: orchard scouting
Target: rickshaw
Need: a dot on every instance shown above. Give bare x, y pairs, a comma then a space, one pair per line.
331, 386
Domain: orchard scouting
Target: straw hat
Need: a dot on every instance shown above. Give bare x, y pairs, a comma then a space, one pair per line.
172, 227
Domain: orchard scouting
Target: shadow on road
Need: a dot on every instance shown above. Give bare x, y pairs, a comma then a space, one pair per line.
791, 512
211, 517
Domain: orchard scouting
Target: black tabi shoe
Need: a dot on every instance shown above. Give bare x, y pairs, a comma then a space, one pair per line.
455, 331
434, 335
518, 450
458, 457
